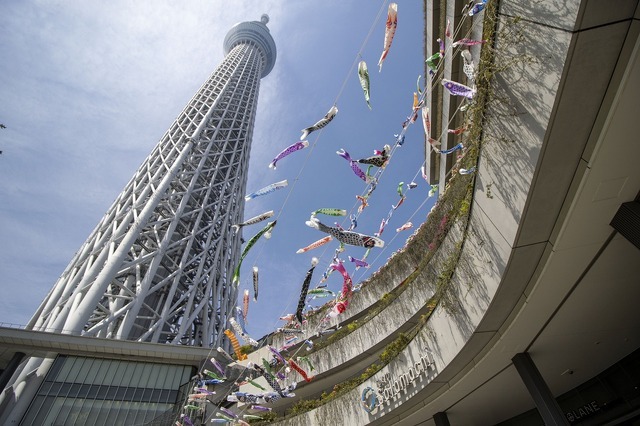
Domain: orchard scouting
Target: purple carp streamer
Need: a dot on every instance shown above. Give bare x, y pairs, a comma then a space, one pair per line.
316, 244
359, 262
468, 42
255, 283
267, 189
458, 89
290, 149
321, 123
305, 289
264, 231
379, 159
354, 165
389, 32
253, 220
346, 237
455, 148
363, 75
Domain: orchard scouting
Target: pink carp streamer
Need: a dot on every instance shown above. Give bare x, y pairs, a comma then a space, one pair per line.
468, 42
347, 290
389, 32
245, 305
321, 123
289, 150
405, 227
316, 244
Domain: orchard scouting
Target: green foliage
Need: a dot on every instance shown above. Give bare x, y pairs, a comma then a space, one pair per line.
247, 349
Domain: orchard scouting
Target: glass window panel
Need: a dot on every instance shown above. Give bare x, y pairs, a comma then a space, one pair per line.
112, 367
93, 372
172, 378
119, 372
128, 374
146, 375
53, 412
102, 371
35, 410
53, 372
66, 369
136, 376
96, 416
83, 371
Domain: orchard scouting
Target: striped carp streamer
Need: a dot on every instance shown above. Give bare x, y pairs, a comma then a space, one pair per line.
467, 42
255, 283
346, 237
379, 159
305, 289
389, 32
266, 231
321, 123
354, 165
294, 365
245, 336
467, 171
363, 75
433, 190
458, 89
245, 305
235, 345
289, 150
267, 189
316, 244
253, 220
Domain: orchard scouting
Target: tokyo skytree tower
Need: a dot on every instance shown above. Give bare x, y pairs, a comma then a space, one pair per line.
158, 266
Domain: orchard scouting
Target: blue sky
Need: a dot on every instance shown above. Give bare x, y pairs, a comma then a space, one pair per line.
88, 88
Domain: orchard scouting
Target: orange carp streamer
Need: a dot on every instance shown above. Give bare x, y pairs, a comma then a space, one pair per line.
235, 344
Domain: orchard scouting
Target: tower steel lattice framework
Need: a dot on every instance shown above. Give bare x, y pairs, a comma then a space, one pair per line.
158, 266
